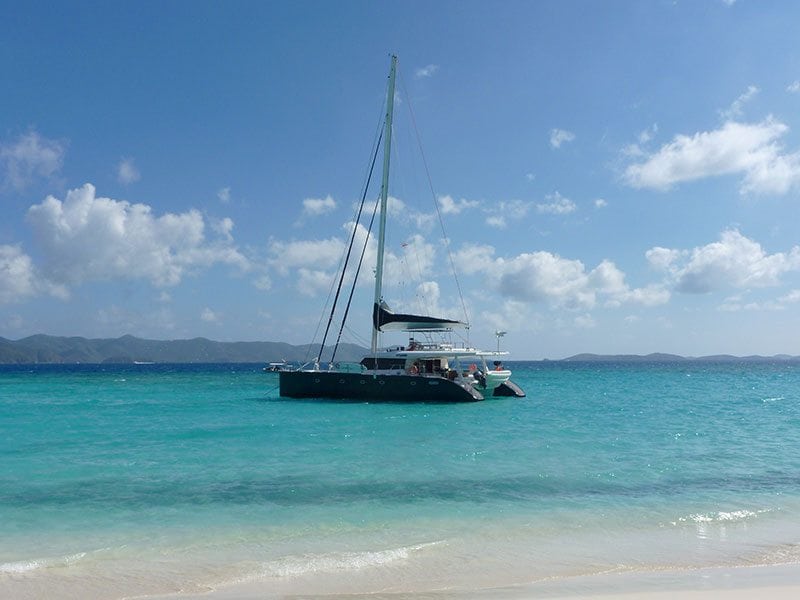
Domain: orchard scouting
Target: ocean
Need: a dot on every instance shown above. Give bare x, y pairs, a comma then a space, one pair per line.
149, 480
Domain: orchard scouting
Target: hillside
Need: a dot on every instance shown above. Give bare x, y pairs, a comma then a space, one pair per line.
127, 349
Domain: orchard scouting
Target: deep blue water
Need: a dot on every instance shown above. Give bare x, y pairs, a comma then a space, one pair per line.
117, 477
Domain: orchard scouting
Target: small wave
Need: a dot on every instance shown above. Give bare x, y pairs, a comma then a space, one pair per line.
296, 566
26, 566
721, 516
775, 399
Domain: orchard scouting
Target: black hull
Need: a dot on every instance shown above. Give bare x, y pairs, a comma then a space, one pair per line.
509, 388
374, 388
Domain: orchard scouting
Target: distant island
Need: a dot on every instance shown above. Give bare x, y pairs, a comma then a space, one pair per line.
660, 357
130, 349
50, 349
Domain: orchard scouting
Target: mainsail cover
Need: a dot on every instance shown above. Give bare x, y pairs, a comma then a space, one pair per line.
383, 319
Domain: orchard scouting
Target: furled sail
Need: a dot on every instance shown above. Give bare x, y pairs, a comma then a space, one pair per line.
383, 319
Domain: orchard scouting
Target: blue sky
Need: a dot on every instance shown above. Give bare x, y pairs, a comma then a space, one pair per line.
613, 177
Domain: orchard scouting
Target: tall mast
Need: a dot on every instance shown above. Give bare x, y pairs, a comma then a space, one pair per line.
387, 146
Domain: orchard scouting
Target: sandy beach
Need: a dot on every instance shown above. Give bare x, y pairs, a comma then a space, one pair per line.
779, 582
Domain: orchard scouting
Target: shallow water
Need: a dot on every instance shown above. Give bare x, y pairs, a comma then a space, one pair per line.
148, 479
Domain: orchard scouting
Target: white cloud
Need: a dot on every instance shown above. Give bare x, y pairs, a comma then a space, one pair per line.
515, 210
530, 176
209, 316
223, 227
542, 276
322, 254
313, 264
560, 136
474, 258
86, 238
736, 303
314, 207
585, 321
127, 172
496, 221
794, 87
662, 259
312, 282
748, 149
600, 203
735, 261
736, 109
29, 157
556, 204
413, 262
400, 212
426, 301
449, 206
224, 195
548, 278
19, 278
426, 71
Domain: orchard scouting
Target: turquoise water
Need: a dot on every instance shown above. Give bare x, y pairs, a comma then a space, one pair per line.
120, 481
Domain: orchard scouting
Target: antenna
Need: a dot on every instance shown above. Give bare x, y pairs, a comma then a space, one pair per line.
498, 334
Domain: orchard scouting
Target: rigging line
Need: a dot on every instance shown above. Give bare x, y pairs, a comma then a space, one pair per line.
435, 203
356, 336
376, 142
321, 317
349, 249
355, 279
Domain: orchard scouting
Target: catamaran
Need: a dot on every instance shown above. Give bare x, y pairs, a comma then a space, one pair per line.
427, 369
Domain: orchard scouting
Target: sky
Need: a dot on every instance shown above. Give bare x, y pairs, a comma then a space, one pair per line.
612, 177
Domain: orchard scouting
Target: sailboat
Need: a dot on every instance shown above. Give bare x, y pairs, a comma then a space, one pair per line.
424, 370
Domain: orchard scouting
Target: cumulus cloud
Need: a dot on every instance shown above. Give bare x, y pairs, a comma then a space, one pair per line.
543, 277
312, 282
29, 157
314, 207
19, 279
127, 172
322, 254
426, 301
448, 206
90, 238
314, 263
224, 195
735, 261
752, 150
426, 71
600, 203
556, 204
400, 212
560, 136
